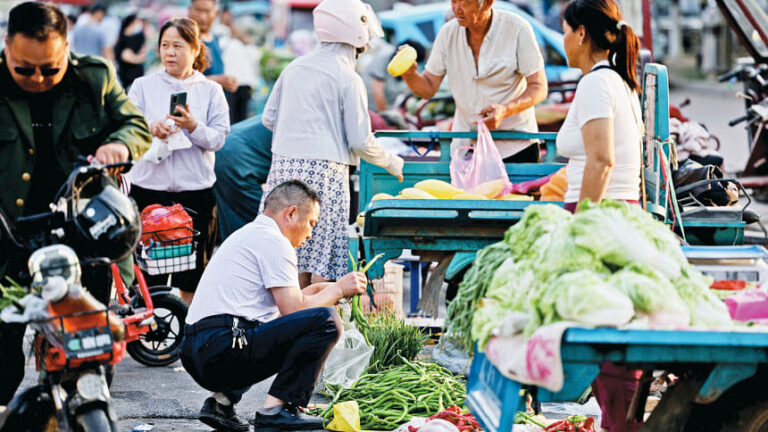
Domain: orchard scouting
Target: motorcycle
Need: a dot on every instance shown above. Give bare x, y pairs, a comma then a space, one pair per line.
748, 21
75, 336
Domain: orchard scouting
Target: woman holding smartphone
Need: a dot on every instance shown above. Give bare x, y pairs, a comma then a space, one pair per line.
200, 112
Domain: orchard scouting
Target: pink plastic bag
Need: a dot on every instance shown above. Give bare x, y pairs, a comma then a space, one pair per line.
484, 164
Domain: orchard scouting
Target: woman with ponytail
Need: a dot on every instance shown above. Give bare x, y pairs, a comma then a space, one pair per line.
186, 176
601, 137
601, 133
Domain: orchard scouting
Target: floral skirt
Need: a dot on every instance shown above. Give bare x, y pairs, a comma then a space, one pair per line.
325, 253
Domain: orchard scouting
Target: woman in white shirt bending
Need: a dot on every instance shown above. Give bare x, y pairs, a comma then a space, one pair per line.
601, 138
601, 133
186, 176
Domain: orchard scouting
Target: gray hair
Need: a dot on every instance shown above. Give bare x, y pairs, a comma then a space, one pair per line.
290, 193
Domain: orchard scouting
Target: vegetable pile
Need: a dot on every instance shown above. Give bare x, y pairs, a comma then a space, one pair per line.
392, 397
438, 189
454, 416
10, 294
574, 423
394, 341
606, 265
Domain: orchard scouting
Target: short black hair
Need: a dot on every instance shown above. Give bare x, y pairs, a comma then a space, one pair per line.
290, 193
98, 7
37, 20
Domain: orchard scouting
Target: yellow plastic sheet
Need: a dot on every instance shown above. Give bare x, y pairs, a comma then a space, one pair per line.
346, 417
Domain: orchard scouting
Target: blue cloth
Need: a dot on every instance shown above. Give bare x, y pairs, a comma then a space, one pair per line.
217, 62
242, 166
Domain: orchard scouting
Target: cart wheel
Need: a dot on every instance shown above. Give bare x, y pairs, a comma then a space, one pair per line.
161, 347
750, 418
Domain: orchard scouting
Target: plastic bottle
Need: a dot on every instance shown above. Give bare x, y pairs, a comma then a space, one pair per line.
65, 299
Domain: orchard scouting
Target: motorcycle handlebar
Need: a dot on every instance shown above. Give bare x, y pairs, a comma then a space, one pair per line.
728, 75
736, 121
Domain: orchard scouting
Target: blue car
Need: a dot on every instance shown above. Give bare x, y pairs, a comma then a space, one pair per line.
422, 23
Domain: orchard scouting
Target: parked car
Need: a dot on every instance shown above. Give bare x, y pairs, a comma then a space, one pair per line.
422, 23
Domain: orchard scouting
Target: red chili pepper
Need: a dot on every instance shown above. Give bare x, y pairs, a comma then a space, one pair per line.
413, 429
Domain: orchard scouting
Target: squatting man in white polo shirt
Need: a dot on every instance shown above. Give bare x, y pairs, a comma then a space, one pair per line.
249, 319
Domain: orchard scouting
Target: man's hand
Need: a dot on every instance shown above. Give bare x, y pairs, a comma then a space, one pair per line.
352, 284
493, 115
159, 129
111, 153
184, 119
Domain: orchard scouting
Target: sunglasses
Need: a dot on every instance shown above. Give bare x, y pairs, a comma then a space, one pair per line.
29, 71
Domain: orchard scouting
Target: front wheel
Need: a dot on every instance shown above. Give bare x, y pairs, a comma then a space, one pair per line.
161, 347
750, 418
95, 420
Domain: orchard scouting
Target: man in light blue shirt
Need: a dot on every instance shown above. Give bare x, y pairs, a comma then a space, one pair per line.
89, 38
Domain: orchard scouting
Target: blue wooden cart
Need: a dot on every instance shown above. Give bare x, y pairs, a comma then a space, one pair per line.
451, 232
721, 385
722, 374
438, 230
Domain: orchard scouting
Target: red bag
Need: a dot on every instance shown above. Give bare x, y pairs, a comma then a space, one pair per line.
170, 225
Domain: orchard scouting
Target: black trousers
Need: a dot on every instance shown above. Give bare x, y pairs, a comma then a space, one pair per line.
203, 204
294, 347
98, 280
238, 103
530, 154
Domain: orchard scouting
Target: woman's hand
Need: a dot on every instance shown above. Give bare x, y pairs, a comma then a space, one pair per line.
184, 120
159, 129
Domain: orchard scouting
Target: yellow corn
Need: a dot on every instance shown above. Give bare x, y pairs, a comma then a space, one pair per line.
515, 197
490, 189
438, 188
413, 193
467, 196
381, 196
402, 61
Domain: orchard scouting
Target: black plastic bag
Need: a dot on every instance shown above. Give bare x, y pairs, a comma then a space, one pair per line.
704, 183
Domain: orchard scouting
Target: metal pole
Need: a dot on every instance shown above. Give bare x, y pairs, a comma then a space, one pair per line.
647, 28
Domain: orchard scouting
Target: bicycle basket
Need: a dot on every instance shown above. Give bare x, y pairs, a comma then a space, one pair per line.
161, 252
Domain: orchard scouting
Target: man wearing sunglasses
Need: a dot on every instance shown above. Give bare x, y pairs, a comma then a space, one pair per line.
55, 107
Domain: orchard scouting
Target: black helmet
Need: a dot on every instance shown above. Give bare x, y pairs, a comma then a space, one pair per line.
102, 222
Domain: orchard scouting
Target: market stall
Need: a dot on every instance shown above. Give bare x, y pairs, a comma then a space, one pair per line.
716, 360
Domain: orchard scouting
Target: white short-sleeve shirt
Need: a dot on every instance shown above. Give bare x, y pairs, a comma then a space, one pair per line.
250, 262
508, 55
603, 94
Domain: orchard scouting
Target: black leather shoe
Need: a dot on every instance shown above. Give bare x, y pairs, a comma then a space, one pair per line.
288, 419
221, 417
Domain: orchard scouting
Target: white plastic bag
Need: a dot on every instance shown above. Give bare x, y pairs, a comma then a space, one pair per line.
162, 148
349, 358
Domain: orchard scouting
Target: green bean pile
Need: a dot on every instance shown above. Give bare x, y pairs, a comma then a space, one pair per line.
471, 289
394, 340
390, 398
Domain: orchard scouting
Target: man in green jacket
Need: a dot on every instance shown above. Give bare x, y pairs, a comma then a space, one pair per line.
55, 107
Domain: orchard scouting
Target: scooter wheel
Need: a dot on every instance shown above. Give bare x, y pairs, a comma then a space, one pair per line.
95, 420
161, 347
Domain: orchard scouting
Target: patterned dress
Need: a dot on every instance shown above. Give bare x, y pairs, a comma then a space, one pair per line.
325, 253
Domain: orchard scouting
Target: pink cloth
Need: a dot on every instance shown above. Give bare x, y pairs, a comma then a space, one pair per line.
536, 361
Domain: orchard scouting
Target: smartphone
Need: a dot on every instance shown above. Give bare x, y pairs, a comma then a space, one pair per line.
176, 100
